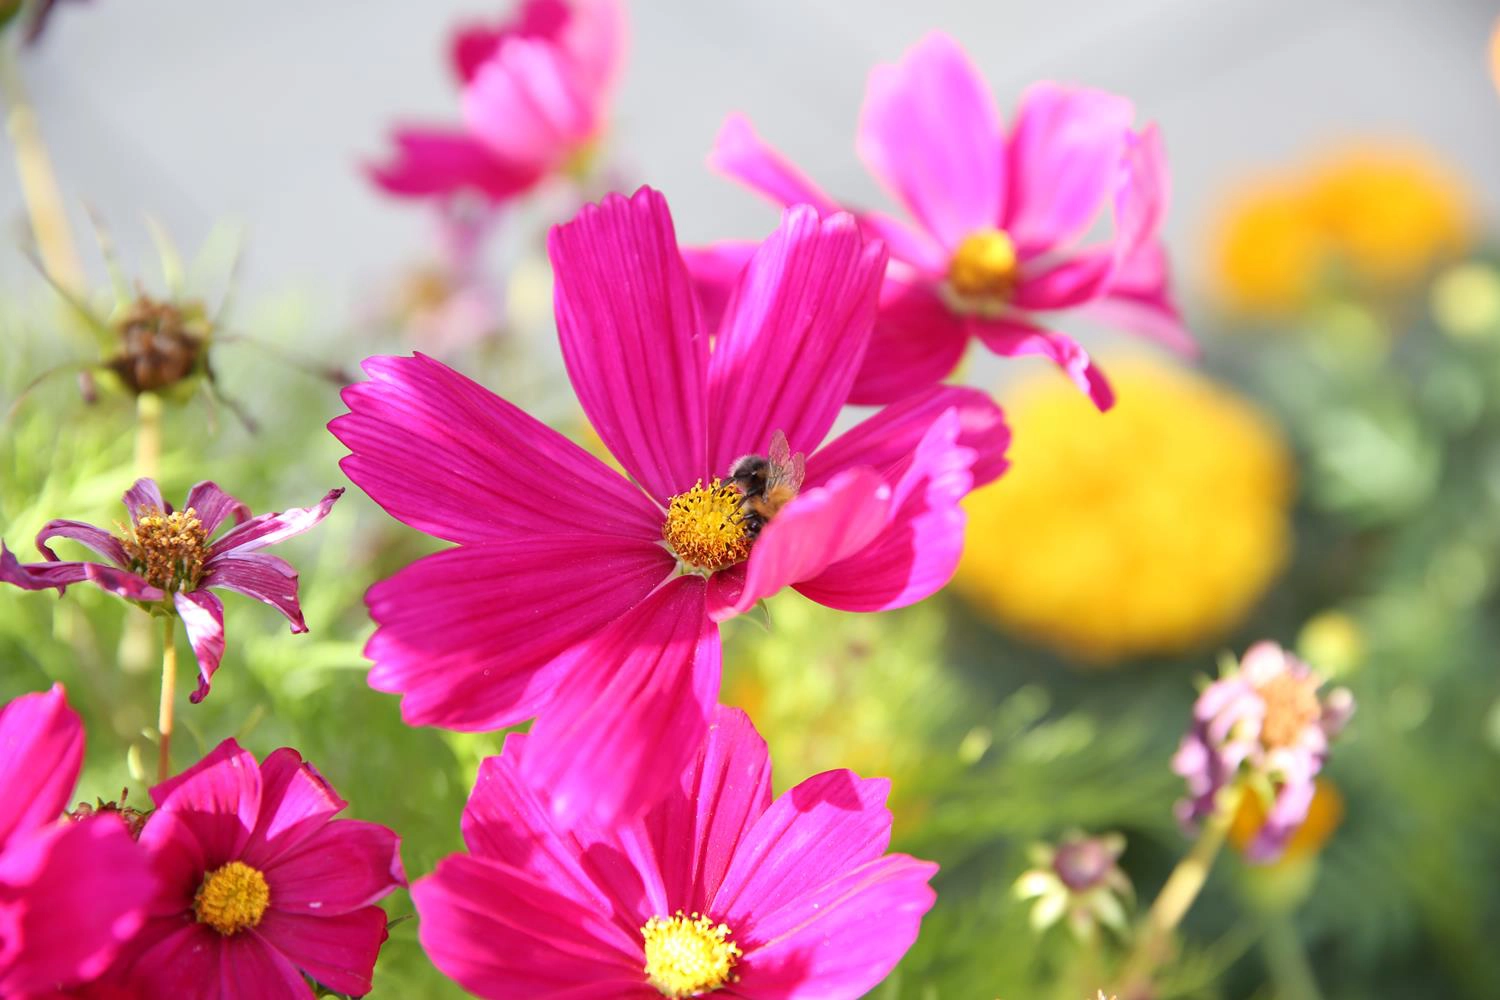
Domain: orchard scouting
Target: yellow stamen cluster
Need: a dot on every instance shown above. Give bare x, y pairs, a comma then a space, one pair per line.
232, 898
983, 266
168, 550
688, 956
705, 526
1291, 706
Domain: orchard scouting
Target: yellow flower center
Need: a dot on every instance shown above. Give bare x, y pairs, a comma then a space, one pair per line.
688, 956
168, 550
705, 526
1291, 706
232, 898
984, 266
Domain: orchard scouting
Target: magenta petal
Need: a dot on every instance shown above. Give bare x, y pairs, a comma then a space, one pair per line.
185, 964
98, 539
202, 617
527, 106
338, 951
1067, 284
917, 342
267, 578
40, 576
268, 529
440, 161
121, 583
616, 737
144, 497
500, 932
445, 455
41, 753
345, 865
914, 247
1139, 299
465, 635
930, 132
819, 528
715, 271
841, 939
793, 337
1013, 338
295, 802
213, 505
73, 895
217, 799
631, 337
1065, 151
1287, 813
816, 832
743, 155
251, 969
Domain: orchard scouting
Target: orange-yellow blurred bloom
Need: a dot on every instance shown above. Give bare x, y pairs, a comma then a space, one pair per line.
1324, 816
1150, 531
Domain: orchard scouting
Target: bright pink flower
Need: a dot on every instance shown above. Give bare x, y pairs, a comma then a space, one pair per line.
997, 220
717, 886
71, 894
167, 561
562, 599
262, 884
535, 94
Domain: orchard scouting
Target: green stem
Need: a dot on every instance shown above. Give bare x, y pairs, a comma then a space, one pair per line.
1287, 962
148, 435
168, 695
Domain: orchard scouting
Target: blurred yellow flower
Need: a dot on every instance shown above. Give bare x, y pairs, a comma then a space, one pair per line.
1380, 214
1150, 530
1324, 816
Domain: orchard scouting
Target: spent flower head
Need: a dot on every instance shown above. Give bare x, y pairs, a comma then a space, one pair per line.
1078, 879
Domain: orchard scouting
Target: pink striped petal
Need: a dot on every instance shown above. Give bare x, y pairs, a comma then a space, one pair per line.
471, 45
793, 337
825, 943
1014, 338
631, 337
595, 39
251, 969
739, 153
616, 738
1070, 283
715, 271
338, 951
268, 529
202, 617
41, 753
466, 635
267, 578
186, 963
1139, 299
119, 582
817, 832
819, 528
295, 802
917, 342
143, 497
213, 505
914, 247
1065, 152
440, 161
500, 932
930, 132
98, 539
41, 576
526, 105
446, 456
217, 799
345, 865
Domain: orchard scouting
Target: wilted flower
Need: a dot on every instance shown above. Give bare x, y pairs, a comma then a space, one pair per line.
71, 894
167, 561
998, 219
717, 887
589, 599
262, 884
1080, 880
536, 91
1264, 723
1154, 531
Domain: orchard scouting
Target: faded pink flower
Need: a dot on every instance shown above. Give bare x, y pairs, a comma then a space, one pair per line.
71, 894
590, 600
261, 884
536, 91
1267, 723
167, 562
995, 246
717, 887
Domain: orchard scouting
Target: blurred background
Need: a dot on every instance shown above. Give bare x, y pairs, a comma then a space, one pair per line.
1327, 476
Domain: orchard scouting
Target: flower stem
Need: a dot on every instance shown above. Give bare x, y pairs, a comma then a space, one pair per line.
1176, 897
147, 435
168, 694
39, 190
1287, 959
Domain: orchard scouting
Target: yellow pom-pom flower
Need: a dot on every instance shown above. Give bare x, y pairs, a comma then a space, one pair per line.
1150, 530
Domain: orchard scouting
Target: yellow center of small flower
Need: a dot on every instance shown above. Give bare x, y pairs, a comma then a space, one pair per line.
688, 956
705, 526
232, 898
1291, 706
984, 266
168, 550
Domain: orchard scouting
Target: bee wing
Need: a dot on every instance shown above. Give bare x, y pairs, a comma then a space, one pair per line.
796, 472
780, 453
786, 469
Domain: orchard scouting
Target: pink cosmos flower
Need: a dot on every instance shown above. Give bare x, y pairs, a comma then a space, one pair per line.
167, 563
590, 599
71, 894
1264, 722
994, 247
535, 94
717, 887
261, 884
